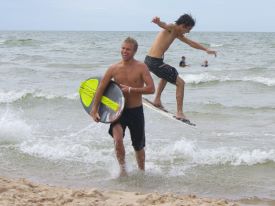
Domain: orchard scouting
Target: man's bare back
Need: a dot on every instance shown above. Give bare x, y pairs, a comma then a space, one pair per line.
162, 42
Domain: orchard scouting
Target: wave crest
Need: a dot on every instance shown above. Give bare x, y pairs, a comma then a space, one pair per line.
189, 151
14, 96
208, 78
19, 42
12, 128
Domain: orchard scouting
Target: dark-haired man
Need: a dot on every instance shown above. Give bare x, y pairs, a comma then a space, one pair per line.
154, 59
134, 79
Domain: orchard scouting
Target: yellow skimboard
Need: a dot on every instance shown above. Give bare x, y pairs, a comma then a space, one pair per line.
112, 101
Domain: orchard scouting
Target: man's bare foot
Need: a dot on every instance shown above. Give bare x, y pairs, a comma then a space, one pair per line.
158, 104
181, 116
123, 172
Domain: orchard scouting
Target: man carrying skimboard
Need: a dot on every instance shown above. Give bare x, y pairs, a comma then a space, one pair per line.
134, 79
154, 59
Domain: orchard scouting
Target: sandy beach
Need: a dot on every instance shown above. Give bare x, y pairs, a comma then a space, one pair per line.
24, 192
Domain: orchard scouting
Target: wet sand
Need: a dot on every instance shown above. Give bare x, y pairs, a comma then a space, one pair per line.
23, 192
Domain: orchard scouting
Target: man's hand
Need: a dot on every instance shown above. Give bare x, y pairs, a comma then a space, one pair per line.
211, 52
95, 115
156, 20
125, 89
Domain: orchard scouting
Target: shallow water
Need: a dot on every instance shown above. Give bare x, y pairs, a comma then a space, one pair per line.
46, 136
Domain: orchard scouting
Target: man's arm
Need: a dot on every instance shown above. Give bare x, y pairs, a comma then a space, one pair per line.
103, 84
196, 45
161, 24
148, 80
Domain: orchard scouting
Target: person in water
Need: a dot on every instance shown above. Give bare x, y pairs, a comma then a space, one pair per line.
205, 63
182, 62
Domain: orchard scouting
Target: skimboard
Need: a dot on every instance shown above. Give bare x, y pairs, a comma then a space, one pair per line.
112, 101
165, 112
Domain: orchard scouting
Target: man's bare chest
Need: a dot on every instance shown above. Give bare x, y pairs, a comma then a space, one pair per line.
128, 77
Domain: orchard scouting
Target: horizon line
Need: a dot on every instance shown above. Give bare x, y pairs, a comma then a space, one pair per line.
53, 30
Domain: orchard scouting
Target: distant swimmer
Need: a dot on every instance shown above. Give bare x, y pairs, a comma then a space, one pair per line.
165, 72
205, 63
182, 62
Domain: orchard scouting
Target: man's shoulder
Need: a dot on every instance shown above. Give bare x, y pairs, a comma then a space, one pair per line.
140, 64
115, 65
170, 27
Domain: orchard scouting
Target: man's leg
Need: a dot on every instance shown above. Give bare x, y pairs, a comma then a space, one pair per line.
140, 157
179, 97
119, 148
161, 86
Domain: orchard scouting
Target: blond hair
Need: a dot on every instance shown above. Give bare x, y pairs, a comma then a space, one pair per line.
132, 41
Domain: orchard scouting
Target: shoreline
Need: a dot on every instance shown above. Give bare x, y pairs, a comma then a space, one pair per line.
24, 192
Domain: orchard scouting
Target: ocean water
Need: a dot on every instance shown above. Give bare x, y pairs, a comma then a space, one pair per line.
46, 136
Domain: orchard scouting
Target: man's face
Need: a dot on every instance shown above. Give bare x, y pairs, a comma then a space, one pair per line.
127, 51
185, 29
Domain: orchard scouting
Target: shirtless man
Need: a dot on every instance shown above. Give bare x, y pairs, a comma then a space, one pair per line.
134, 79
154, 59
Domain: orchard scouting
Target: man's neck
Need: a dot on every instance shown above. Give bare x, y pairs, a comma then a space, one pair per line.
127, 62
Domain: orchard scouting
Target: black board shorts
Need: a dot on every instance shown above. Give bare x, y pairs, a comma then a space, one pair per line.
162, 70
133, 118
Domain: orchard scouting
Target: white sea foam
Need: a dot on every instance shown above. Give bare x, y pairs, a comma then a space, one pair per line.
2, 41
54, 150
11, 96
202, 78
213, 45
234, 156
46, 95
189, 151
15, 95
13, 129
206, 77
66, 150
261, 80
76, 146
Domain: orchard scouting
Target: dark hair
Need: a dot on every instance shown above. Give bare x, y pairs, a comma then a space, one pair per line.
132, 41
186, 19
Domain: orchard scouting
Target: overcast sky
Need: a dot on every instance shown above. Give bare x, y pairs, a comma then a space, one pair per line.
136, 15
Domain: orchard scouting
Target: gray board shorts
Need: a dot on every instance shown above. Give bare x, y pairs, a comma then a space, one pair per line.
160, 69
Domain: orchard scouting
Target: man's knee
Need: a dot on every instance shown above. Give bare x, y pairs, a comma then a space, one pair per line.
118, 138
180, 82
117, 133
138, 148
